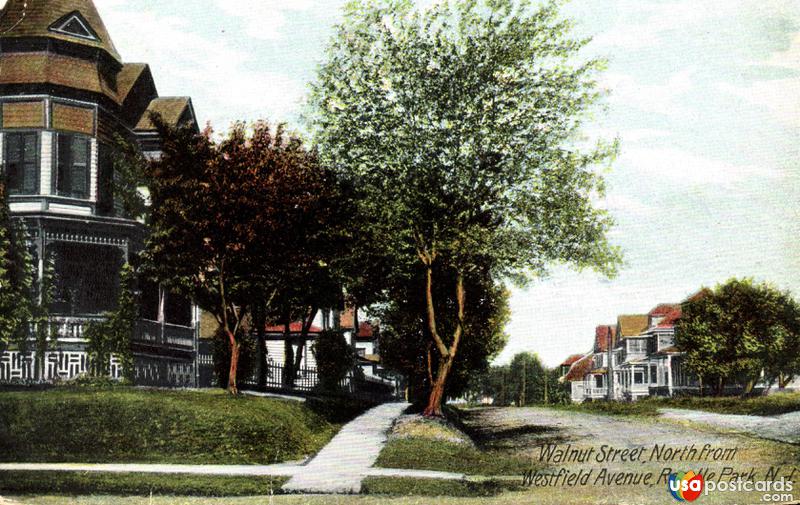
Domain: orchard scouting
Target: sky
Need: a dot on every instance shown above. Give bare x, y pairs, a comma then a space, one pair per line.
704, 96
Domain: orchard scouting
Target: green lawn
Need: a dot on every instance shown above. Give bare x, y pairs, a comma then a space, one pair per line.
771, 405
126, 425
135, 484
422, 444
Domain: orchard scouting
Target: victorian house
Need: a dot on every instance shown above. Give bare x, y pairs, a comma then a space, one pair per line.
65, 96
633, 359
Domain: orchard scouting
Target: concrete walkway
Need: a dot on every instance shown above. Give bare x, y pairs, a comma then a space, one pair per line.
783, 428
342, 464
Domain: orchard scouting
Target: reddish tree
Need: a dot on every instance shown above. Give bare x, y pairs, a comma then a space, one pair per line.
224, 219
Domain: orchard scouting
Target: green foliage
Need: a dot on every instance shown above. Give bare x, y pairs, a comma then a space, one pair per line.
129, 168
335, 357
458, 125
63, 425
525, 381
771, 405
136, 484
114, 335
739, 329
18, 290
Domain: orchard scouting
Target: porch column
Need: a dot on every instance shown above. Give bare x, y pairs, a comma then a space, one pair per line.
669, 374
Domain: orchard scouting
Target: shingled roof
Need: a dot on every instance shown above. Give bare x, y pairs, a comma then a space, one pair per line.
579, 369
662, 309
632, 325
571, 359
171, 109
40, 19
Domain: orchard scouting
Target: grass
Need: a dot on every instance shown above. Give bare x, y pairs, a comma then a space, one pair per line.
771, 405
143, 426
403, 486
135, 484
422, 444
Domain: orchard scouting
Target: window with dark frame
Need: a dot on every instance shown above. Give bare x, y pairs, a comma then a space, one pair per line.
72, 167
21, 162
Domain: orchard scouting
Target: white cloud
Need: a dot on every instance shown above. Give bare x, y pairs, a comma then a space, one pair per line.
224, 81
683, 167
781, 97
663, 98
263, 19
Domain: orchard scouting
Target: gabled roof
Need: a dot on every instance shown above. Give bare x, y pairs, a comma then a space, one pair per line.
632, 325
571, 359
670, 318
663, 309
603, 337
579, 369
127, 77
172, 109
41, 18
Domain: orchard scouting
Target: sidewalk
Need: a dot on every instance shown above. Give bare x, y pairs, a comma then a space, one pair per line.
342, 464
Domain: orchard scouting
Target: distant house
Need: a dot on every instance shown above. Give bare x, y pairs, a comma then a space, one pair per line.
634, 359
596, 382
575, 375
629, 363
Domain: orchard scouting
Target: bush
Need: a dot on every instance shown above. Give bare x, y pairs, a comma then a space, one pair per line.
335, 357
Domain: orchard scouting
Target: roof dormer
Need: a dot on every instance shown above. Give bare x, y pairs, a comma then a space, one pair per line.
75, 25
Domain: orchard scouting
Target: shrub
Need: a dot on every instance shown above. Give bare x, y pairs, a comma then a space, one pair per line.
335, 357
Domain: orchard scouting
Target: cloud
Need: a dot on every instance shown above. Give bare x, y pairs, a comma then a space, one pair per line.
263, 19
662, 98
781, 97
682, 167
225, 80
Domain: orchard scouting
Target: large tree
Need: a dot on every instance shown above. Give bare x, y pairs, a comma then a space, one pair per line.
460, 125
738, 330
226, 217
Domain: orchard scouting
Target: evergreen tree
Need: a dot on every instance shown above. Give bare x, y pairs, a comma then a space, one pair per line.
16, 280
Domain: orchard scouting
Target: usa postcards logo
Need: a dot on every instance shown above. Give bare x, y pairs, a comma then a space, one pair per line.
686, 486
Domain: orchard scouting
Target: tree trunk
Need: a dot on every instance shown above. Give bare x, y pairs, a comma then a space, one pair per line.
434, 408
748, 388
447, 356
288, 357
235, 347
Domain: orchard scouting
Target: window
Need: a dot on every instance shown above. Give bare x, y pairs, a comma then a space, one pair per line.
22, 163
72, 170
74, 24
598, 381
638, 377
653, 374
